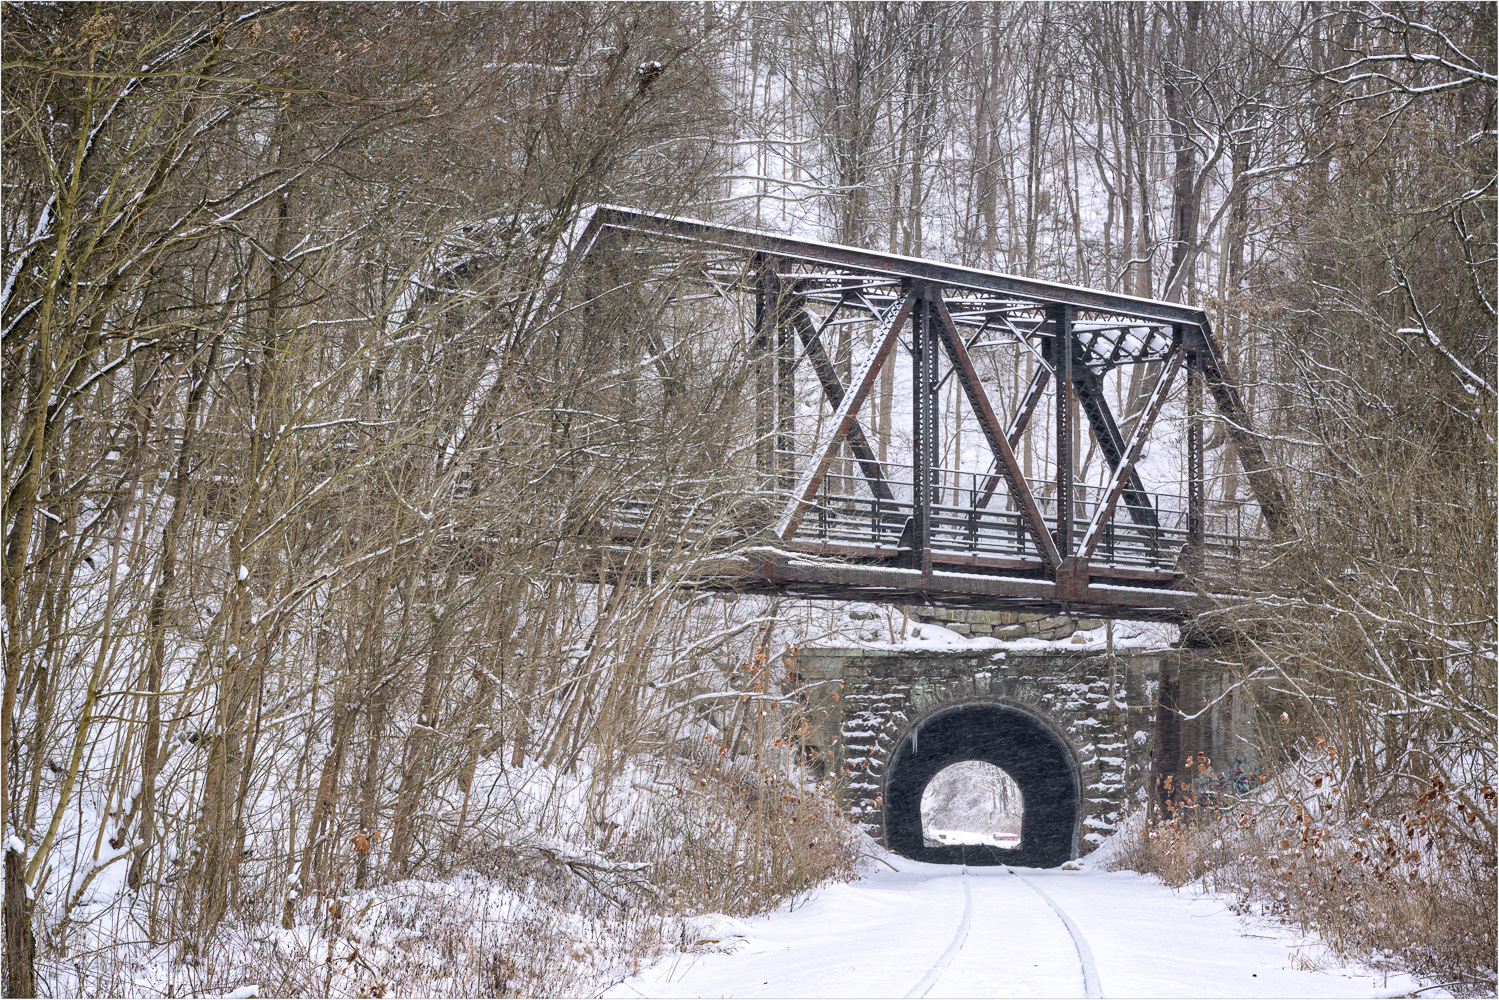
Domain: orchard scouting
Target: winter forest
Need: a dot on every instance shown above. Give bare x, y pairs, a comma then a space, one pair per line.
312, 412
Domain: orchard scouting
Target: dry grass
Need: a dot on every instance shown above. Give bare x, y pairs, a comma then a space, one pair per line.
750, 839
1415, 892
496, 915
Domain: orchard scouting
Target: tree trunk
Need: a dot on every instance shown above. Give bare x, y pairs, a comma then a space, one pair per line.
418, 755
369, 788
20, 943
322, 808
221, 832
156, 624
1165, 758
1035, 100
1186, 204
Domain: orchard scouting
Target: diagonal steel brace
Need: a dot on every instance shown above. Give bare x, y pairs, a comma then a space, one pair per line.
843, 418
1009, 467
1122, 472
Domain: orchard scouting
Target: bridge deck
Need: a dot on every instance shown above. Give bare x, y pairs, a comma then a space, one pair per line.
855, 546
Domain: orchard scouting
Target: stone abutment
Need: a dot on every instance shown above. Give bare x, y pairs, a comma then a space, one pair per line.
868, 708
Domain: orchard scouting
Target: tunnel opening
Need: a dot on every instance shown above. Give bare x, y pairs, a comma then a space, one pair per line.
972, 802
1020, 745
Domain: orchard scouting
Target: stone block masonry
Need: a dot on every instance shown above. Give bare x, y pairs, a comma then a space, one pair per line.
860, 703
1002, 625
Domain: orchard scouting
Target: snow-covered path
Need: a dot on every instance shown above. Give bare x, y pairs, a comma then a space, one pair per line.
940, 931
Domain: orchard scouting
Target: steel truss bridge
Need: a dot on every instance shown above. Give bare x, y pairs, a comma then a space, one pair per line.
854, 527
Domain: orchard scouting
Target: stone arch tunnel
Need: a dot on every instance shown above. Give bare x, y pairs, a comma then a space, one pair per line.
1020, 743
1075, 726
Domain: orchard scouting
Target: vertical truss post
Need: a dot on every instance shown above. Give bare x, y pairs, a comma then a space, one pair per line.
924, 424
1061, 363
1195, 499
785, 390
760, 363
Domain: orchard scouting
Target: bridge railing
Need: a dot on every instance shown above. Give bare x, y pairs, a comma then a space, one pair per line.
969, 525
967, 519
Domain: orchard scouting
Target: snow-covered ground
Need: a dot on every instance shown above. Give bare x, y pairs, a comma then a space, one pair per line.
861, 625
913, 929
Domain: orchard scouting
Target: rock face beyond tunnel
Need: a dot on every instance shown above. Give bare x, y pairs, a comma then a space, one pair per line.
1078, 723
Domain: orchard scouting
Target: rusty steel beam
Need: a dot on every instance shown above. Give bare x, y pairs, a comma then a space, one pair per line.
832, 388
785, 381
1195, 498
1268, 491
764, 374
1010, 468
1111, 443
1137, 439
965, 590
843, 418
926, 424
1061, 366
1016, 431
1027, 409
896, 266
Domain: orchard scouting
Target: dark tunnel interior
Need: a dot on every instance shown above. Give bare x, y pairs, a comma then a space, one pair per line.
1009, 738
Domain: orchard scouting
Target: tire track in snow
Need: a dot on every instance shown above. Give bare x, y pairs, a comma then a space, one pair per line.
929, 980
1084, 953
